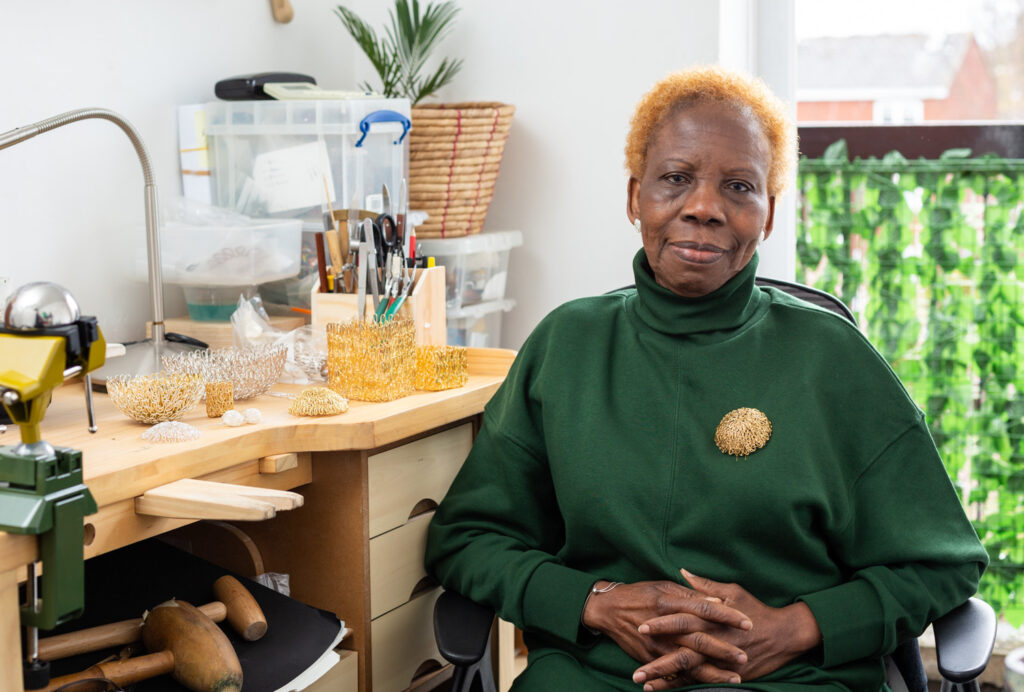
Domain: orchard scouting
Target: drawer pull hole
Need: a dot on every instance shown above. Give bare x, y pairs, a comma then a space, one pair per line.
424, 585
425, 668
422, 507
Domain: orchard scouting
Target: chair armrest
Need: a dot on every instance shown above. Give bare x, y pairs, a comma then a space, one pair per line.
461, 628
963, 640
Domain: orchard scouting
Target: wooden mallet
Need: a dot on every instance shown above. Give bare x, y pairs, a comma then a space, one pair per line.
185, 643
234, 602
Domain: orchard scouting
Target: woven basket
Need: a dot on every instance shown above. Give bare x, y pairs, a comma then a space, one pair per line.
454, 155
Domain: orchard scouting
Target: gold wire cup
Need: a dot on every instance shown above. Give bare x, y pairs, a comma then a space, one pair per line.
441, 367
219, 398
371, 361
155, 398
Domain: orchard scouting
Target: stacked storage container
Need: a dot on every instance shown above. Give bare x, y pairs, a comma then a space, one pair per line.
281, 159
476, 271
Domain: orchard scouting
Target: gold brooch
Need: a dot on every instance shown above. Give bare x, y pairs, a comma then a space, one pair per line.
743, 431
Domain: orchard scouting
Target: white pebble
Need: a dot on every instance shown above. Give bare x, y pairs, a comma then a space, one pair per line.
232, 418
252, 416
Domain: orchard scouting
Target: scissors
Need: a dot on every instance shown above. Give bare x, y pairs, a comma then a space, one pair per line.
388, 242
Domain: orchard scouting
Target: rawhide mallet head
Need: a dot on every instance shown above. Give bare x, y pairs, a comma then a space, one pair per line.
204, 660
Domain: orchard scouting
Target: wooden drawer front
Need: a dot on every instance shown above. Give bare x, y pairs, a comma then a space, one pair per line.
402, 640
343, 677
422, 470
396, 564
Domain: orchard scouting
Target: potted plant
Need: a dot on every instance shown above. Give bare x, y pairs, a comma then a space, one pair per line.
455, 149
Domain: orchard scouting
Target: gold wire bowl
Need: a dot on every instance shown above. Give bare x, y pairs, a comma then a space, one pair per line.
441, 367
155, 398
371, 361
251, 371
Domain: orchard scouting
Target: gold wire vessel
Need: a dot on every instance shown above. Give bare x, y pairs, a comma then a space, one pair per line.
219, 398
318, 401
371, 361
441, 367
155, 398
742, 432
251, 371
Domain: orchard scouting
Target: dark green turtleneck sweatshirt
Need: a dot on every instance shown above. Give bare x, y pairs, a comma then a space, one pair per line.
597, 460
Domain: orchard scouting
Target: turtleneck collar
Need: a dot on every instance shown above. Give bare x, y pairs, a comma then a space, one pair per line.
729, 307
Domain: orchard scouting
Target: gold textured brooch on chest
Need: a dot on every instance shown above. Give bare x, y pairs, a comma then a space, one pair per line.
742, 432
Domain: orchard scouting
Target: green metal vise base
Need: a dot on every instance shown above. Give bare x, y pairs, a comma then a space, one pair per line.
46, 497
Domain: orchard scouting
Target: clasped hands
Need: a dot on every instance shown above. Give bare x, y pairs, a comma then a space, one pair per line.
710, 633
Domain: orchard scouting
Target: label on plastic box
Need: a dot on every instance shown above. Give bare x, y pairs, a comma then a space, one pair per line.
293, 177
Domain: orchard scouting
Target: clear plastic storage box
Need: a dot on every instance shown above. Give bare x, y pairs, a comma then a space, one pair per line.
216, 264
477, 326
275, 158
476, 266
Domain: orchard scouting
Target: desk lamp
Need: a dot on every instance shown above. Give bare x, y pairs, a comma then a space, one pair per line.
142, 357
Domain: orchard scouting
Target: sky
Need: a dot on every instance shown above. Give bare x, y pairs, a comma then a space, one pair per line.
844, 18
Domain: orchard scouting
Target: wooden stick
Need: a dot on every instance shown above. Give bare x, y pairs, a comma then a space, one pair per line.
106, 636
282, 10
124, 672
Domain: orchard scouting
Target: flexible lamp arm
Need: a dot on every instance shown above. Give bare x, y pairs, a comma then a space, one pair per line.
156, 283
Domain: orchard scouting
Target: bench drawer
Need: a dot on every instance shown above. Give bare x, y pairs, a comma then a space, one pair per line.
403, 640
396, 564
402, 477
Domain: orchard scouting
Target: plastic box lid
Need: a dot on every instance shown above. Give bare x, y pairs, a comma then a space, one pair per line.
494, 241
302, 116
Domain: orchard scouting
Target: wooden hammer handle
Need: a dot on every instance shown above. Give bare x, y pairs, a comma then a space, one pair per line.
244, 614
123, 672
114, 634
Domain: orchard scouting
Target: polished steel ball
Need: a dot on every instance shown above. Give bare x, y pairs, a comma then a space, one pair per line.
40, 305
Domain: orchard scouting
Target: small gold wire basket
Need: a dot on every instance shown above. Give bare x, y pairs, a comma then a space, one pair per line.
370, 360
441, 367
219, 398
155, 398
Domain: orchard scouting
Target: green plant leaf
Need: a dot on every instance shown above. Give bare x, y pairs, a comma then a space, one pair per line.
894, 158
955, 154
444, 74
380, 53
401, 55
415, 36
836, 152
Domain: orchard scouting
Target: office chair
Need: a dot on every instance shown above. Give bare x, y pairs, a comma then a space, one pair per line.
964, 637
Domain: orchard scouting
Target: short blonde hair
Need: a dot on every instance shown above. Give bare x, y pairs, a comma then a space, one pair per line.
715, 84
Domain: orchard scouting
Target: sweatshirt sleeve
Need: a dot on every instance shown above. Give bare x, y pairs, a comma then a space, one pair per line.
911, 552
496, 535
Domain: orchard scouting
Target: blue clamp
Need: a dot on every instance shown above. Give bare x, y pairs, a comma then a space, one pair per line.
383, 117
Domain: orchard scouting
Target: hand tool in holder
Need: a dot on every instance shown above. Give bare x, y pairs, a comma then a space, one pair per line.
44, 340
235, 603
181, 641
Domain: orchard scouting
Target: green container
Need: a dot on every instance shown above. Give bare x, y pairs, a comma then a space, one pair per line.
214, 303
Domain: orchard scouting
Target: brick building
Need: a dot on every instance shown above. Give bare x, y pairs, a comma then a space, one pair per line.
894, 79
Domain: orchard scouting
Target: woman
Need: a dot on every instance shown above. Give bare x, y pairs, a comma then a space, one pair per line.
700, 481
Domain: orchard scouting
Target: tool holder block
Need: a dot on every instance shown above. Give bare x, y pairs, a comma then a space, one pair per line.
425, 305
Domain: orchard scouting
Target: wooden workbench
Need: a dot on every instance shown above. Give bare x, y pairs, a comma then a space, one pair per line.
325, 545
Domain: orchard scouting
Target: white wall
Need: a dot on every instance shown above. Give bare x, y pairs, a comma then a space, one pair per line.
71, 200
574, 73
71, 207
